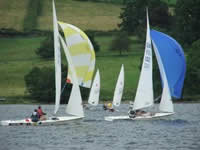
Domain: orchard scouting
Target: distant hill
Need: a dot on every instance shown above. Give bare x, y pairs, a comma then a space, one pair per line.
86, 15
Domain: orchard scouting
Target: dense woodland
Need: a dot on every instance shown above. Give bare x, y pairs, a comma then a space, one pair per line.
180, 19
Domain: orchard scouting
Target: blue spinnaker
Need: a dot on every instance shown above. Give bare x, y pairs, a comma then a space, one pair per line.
173, 60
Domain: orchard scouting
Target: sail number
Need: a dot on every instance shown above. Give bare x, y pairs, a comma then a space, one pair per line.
147, 58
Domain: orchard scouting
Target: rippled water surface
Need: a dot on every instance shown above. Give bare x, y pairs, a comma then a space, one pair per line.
180, 131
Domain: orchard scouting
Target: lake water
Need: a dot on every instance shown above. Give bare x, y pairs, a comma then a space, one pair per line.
180, 131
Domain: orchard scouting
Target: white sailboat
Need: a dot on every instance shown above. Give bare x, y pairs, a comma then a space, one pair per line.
117, 93
119, 89
95, 91
74, 106
144, 93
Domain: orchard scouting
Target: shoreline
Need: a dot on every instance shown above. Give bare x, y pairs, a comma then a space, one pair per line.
34, 102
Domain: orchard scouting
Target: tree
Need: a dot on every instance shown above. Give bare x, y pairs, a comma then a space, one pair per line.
134, 15
46, 49
121, 42
193, 69
40, 83
91, 36
187, 20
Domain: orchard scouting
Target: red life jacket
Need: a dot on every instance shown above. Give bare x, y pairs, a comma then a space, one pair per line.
40, 112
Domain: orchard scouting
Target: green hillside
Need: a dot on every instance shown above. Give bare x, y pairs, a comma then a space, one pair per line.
86, 15
19, 58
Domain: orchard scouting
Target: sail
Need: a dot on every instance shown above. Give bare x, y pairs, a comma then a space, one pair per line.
166, 104
173, 60
144, 93
82, 53
95, 90
57, 58
74, 106
119, 88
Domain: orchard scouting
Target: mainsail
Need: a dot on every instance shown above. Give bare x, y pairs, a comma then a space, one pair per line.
74, 106
173, 60
57, 58
144, 93
119, 88
95, 90
82, 53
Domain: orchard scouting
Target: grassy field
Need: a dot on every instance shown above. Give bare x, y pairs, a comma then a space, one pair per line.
12, 13
86, 15
18, 58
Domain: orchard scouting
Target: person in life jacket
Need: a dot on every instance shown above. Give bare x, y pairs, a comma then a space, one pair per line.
108, 107
35, 116
41, 113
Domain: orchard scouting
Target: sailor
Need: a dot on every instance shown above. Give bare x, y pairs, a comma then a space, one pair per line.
132, 113
104, 107
110, 108
42, 115
35, 116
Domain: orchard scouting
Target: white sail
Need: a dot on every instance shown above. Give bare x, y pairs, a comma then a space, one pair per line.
57, 58
95, 90
74, 106
166, 104
144, 93
119, 88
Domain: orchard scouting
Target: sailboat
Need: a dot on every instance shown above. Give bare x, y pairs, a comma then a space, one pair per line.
74, 107
95, 91
144, 94
119, 89
118, 92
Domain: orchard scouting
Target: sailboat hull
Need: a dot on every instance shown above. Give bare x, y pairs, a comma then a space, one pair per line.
143, 117
49, 121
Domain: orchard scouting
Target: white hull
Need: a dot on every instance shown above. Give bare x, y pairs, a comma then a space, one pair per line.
143, 117
50, 121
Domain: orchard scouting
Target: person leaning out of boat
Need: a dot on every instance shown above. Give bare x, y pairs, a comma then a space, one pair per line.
42, 115
135, 113
35, 116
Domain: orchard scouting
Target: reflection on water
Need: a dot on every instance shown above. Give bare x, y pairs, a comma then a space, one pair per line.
180, 131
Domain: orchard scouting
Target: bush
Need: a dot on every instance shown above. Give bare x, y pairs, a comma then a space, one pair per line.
46, 49
121, 42
193, 70
91, 36
40, 84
